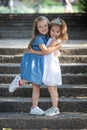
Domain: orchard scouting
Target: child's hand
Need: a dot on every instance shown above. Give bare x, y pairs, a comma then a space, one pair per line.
30, 50
57, 53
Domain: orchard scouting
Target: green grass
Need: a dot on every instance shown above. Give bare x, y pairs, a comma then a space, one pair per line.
49, 8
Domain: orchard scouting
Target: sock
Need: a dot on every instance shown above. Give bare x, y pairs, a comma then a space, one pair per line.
19, 82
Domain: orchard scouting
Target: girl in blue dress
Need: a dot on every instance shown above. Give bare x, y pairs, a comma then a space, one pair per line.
32, 64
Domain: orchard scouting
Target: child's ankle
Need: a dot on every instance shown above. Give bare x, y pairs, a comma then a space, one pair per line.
19, 82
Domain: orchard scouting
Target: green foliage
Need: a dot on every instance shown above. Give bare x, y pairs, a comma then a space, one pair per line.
31, 6
4, 10
49, 3
42, 2
82, 5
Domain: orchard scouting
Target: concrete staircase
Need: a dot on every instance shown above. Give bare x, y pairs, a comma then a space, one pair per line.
14, 108
20, 25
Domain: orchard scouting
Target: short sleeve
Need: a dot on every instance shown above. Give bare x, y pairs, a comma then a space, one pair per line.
38, 40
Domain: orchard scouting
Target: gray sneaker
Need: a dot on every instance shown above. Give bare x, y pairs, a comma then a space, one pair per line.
15, 84
52, 112
36, 111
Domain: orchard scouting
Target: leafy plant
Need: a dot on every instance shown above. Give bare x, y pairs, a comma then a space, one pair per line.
82, 5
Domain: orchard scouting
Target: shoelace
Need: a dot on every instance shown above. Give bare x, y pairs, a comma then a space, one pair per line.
52, 110
14, 82
48, 110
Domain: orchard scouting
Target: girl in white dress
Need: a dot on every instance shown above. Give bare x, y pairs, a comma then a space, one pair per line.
52, 72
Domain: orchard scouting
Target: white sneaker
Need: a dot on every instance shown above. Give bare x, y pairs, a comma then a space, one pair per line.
36, 111
15, 84
52, 112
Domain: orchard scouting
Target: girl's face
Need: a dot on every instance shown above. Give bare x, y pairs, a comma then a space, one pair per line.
42, 27
55, 31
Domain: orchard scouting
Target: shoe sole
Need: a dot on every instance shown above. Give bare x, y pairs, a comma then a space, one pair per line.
36, 114
52, 115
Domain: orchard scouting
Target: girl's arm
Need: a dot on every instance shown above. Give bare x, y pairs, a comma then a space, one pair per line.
35, 51
53, 43
48, 50
44, 49
57, 52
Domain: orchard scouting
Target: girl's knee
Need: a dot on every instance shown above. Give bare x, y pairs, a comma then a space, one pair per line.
51, 89
36, 87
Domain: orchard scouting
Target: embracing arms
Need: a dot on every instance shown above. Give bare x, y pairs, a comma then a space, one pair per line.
46, 50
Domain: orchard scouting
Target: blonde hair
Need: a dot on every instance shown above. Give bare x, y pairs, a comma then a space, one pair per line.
35, 29
63, 28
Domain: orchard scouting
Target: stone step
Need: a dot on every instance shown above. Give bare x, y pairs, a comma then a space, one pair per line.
28, 34
69, 90
73, 51
65, 121
14, 68
64, 51
29, 19
73, 21
19, 30
12, 51
67, 78
73, 59
63, 58
23, 43
21, 104
17, 16
26, 26
76, 68
15, 35
80, 19
19, 43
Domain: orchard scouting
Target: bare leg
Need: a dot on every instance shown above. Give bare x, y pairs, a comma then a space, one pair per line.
35, 95
35, 110
23, 82
54, 96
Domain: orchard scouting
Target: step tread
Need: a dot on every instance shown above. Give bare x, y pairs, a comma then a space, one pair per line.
78, 20
23, 43
20, 55
64, 51
22, 104
62, 115
28, 99
25, 120
62, 64
62, 58
64, 91
67, 78
43, 86
67, 74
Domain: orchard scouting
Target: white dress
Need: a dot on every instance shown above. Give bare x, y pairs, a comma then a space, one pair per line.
52, 71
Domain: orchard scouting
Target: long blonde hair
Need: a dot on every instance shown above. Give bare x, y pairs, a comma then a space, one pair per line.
35, 29
63, 27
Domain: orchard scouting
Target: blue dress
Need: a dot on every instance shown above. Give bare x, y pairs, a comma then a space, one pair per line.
32, 64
